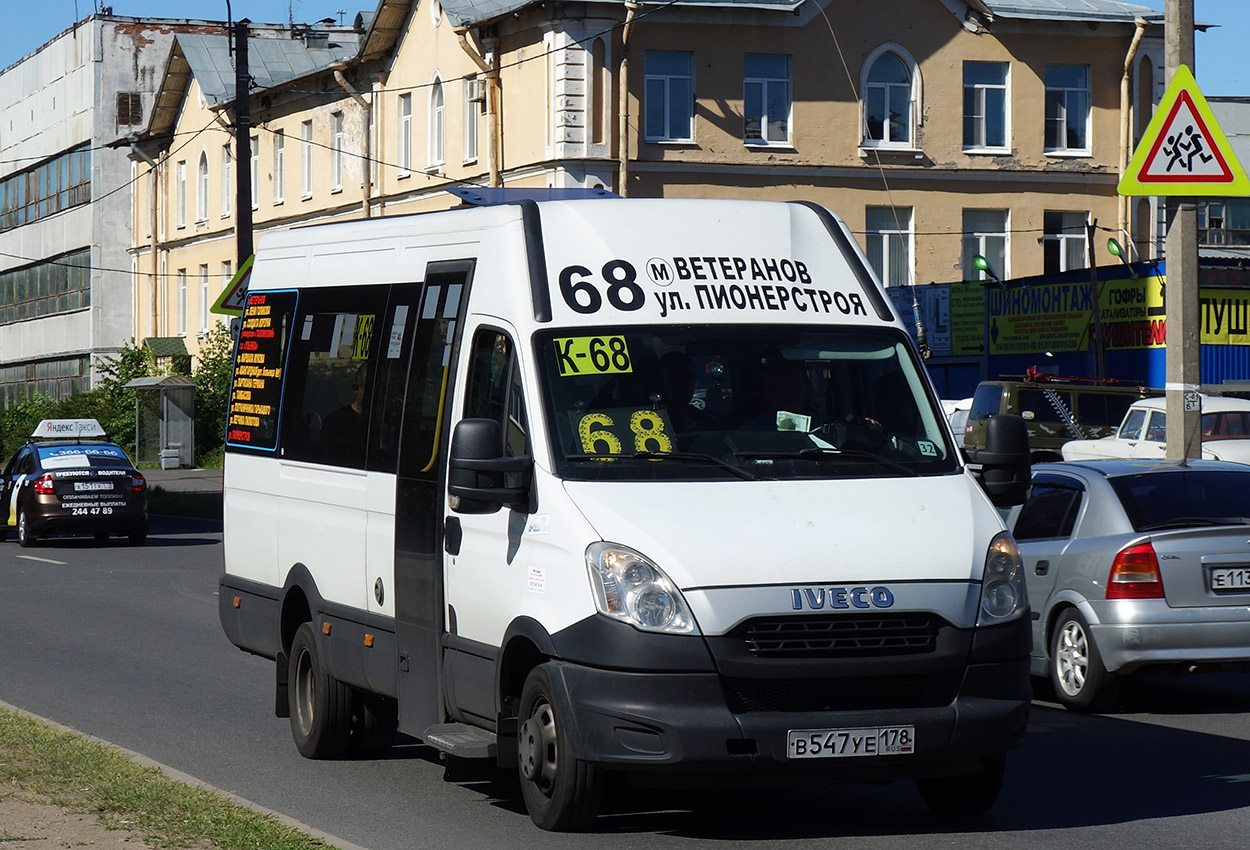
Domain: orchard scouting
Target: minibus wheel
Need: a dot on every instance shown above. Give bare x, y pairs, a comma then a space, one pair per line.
561, 792
320, 704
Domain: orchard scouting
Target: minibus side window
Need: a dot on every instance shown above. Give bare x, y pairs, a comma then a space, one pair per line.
336, 349
494, 390
430, 372
391, 376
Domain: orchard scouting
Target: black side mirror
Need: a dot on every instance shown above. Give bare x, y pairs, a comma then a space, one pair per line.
1005, 460
476, 473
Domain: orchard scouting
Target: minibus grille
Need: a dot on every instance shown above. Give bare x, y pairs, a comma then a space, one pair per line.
846, 636
854, 693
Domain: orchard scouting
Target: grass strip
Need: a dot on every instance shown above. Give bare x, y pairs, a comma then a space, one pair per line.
88, 777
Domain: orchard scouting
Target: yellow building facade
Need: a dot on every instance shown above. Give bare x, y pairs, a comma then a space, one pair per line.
937, 129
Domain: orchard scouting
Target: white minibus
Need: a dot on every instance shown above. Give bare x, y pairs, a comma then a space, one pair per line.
643, 491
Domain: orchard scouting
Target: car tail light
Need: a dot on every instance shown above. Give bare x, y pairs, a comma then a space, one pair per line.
138, 483
43, 485
1135, 574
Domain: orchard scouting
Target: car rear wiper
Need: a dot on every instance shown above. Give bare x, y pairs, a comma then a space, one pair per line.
816, 453
681, 457
1195, 521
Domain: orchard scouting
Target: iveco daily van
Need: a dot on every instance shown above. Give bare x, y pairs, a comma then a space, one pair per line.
649, 490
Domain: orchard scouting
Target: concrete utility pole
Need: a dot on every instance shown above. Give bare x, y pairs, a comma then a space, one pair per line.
1181, 300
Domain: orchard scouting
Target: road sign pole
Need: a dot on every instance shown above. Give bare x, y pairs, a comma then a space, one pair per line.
1183, 367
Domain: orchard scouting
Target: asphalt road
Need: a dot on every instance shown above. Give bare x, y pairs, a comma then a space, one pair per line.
123, 643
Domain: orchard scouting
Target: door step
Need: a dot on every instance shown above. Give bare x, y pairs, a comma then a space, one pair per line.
461, 740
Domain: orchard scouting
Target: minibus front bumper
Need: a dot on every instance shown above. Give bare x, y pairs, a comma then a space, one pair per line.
729, 729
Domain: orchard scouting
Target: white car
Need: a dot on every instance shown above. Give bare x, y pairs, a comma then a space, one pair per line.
1143, 433
956, 411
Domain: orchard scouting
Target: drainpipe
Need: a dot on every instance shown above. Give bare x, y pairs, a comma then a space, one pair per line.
153, 174
631, 10
1124, 201
366, 109
494, 127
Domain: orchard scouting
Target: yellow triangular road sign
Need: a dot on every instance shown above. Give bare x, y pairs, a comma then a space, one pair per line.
230, 302
1184, 151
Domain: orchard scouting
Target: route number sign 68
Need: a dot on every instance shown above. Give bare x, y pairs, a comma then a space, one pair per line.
608, 432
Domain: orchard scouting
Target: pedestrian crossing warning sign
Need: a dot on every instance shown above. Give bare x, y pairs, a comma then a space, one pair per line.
230, 302
1184, 151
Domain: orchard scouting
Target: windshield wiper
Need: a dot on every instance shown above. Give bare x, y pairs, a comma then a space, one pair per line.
682, 457
816, 453
1195, 522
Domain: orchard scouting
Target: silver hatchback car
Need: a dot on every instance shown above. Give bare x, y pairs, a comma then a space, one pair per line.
1135, 564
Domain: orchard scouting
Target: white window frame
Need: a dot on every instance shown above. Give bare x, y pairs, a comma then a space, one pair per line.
404, 141
227, 186
765, 84
279, 166
1062, 148
914, 99
980, 117
981, 235
201, 188
877, 241
666, 84
336, 151
469, 121
436, 153
255, 166
204, 302
182, 302
1066, 238
305, 163
180, 193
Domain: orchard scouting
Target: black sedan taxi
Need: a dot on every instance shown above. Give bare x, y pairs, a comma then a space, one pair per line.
74, 485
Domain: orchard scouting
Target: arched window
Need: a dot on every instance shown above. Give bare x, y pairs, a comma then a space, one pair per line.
201, 189
437, 124
890, 91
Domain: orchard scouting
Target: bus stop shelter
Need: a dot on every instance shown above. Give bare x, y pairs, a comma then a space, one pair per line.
164, 420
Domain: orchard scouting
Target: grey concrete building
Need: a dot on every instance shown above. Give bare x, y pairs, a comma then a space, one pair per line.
66, 283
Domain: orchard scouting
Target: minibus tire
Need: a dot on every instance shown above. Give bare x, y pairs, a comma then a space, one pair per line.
966, 795
320, 704
560, 791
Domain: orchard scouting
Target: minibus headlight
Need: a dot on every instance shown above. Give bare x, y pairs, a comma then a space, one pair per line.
629, 588
1003, 595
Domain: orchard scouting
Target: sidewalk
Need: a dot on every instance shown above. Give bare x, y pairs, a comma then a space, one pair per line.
184, 480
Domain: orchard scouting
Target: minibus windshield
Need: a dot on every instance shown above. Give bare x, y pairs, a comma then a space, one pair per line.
741, 402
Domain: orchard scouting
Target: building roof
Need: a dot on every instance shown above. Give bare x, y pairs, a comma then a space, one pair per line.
271, 61
471, 12
1070, 10
166, 346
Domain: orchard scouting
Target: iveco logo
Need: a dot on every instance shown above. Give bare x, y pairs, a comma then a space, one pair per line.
841, 597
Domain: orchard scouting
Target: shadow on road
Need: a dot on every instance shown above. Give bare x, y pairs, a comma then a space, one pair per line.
1071, 771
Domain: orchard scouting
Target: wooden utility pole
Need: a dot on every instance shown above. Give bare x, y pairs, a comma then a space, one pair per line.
1184, 327
243, 146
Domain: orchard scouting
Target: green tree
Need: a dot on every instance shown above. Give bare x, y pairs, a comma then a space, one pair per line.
19, 419
212, 390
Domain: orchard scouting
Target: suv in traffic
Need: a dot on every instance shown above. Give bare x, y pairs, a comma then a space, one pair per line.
1056, 409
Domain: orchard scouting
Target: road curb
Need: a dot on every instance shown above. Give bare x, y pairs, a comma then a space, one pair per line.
187, 779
